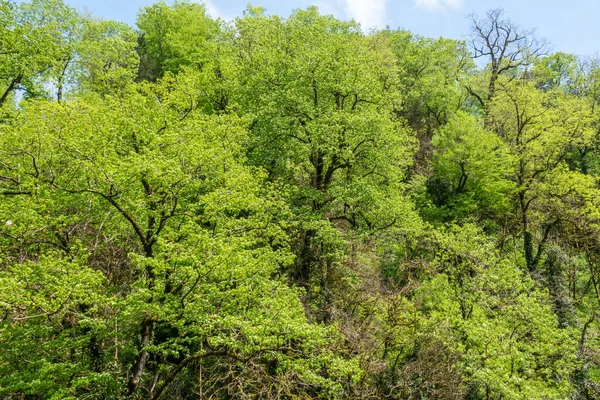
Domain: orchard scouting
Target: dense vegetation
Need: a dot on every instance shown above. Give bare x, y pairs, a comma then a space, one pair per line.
291, 208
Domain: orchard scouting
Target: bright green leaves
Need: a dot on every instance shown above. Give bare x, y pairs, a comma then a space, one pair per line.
431, 73
49, 50
30, 44
53, 325
501, 326
323, 97
203, 240
540, 129
173, 37
202, 192
473, 168
107, 59
539, 125
555, 71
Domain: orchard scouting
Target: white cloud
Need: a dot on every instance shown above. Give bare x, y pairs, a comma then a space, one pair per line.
213, 10
327, 7
369, 13
434, 5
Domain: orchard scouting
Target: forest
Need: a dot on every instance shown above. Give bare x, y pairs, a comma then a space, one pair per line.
291, 208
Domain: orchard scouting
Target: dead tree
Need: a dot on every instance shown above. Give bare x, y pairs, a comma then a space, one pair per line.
506, 46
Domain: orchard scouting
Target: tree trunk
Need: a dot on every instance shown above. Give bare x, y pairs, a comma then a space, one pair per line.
527, 236
142, 358
10, 89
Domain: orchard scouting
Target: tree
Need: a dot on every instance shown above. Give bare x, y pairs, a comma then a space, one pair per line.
322, 98
430, 75
540, 129
506, 47
173, 37
204, 240
30, 44
105, 58
291, 208
555, 71
472, 170
485, 309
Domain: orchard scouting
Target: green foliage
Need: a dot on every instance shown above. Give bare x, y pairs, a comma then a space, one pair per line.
174, 36
322, 98
289, 208
430, 73
207, 240
500, 324
555, 71
30, 43
107, 58
472, 168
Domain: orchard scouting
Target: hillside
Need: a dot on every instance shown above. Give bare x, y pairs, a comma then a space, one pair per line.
292, 208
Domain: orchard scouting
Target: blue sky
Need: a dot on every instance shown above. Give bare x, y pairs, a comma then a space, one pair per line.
570, 27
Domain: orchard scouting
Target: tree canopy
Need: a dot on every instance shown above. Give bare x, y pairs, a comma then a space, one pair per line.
294, 208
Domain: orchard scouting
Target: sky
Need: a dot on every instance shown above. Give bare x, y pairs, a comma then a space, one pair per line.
570, 27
